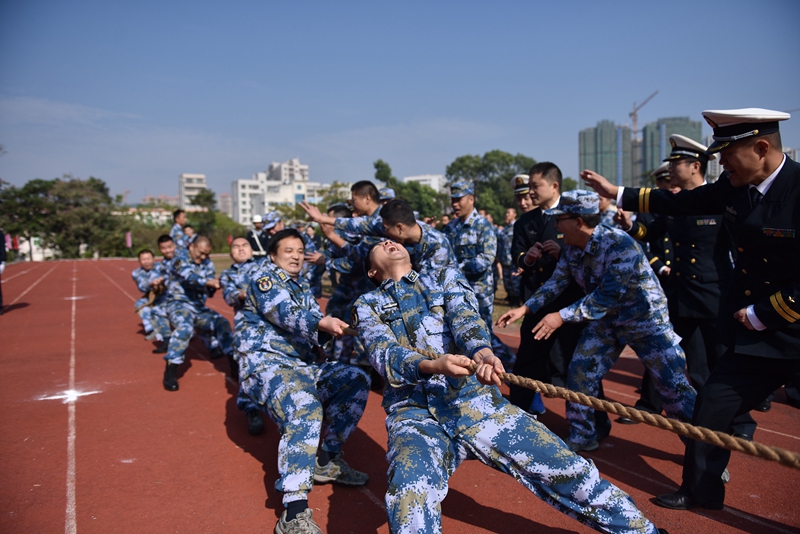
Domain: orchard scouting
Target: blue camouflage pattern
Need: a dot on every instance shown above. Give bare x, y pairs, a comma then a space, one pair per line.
505, 239
177, 235
433, 250
435, 422
153, 319
623, 302
308, 402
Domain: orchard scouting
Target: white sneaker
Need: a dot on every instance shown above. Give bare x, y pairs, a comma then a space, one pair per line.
302, 524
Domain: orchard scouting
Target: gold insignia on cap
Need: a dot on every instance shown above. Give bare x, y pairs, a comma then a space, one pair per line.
264, 284
520, 180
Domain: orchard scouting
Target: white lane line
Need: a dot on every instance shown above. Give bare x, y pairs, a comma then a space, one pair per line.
32, 285
26, 271
116, 284
779, 433
70, 523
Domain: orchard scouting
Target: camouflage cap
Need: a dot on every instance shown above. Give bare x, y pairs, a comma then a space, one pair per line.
271, 219
578, 202
386, 193
461, 189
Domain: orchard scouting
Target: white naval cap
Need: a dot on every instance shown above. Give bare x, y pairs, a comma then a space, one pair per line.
256, 218
731, 125
683, 147
662, 172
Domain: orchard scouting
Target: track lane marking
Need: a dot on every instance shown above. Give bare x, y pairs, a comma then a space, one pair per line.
70, 522
116, 284
32, 286
26, 271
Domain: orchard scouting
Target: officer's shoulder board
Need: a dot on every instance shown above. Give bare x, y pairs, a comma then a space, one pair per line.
264, 283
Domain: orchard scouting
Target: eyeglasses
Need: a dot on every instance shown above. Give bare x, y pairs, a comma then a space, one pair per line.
566, 217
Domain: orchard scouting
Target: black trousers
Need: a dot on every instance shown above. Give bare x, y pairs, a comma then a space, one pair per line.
738, 383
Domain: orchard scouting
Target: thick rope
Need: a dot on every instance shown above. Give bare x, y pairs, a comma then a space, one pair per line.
151, 297
712, 437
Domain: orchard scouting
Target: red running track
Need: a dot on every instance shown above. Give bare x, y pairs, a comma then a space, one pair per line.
124, 455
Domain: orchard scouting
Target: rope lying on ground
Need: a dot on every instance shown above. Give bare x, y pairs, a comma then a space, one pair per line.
712, 437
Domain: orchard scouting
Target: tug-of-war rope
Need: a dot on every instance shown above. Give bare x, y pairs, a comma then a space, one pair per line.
712, 437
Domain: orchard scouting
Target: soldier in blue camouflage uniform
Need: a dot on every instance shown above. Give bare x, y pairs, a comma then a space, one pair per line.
313, 275
234, 281
624, 305
154, 326
475, 245
191, 279
158, 281
176, 232
438, 415
428, 248
308, 401
504, 241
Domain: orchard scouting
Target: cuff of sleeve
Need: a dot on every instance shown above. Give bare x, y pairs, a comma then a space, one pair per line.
751, 316
619, 197
478, 349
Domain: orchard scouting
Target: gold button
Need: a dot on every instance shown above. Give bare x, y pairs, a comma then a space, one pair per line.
666, 251
744, 271
677, 259
747, 293
667, 262
765, 260
694, 276
740, 249
677, 244
692, 260
766, 283
541, 269
692, 245
666, 239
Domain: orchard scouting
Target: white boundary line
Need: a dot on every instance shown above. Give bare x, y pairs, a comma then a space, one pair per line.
70, 523
32, 286
116, 284
33, 268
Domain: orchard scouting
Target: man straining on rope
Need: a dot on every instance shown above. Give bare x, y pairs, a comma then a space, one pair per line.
438, 415
624, 305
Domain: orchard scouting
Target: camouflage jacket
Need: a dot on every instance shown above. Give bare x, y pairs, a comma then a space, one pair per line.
475, 245
187, 279
142, 279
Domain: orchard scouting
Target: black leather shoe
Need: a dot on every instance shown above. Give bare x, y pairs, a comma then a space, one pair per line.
255, 424
216, 352
662, 531
162, 349
679, 501
171, 377
764, 406
742, 435
627, 421
234, 368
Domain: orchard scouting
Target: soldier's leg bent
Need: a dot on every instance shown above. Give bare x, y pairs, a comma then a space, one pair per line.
288, 392
421, 460
595, 354
666, 364
220, 329
343, 391
515, 443
182, 319
145, 312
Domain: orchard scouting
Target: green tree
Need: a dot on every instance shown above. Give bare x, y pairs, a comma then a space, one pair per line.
421, 198
568, 184
337, 192
24, 211
491, 174
204, 220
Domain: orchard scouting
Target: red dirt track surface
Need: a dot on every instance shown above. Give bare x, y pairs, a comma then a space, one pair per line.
127, 456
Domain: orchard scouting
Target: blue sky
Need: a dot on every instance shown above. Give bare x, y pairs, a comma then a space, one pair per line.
136, 93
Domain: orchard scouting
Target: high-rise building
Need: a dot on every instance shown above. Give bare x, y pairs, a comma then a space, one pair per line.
655, 140
188, 186
225, 204
434, 181
607, 149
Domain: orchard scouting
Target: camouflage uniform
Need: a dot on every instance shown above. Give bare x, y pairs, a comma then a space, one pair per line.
624, 305
505, 238
277, 369
475, 246
177, 235
435, 422
233, 280
142, 279
161, 269
433, 250
187, 310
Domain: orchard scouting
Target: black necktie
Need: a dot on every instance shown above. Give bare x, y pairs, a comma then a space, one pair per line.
755, 197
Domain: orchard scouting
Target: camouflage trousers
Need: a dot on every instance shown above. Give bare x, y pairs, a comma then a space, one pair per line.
485, 309
243, 400
422, 458
185, 318
307, 402
597, 351
152, 320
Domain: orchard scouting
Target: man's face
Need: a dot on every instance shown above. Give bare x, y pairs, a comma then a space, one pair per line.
181, 219
445, 220
277, 228
241, 251
681, 172
524, 203
289, 256
384, 255
542, 191
199, 252
146, 260
188, 231
167, 249
568, 224
361, 205
604, 204
258, 226
395, 233
462, 207
511, 215
742, 161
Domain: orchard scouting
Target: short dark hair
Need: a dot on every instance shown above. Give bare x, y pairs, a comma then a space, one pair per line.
591, 220
176, 213
145, 251
340, 211
280, 236
365, 188
773, 138
397, 211
163, 239
201, 239
368, 264
703, 164
188, 226
549, 171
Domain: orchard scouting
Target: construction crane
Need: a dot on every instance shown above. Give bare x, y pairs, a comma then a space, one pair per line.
635, 115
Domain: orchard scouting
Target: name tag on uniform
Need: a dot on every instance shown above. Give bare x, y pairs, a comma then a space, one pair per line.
706, 222
778, 232
390, 306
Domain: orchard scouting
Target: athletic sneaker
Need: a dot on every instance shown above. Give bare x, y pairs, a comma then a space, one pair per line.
585, 447
302, 524
337, 470
537, 405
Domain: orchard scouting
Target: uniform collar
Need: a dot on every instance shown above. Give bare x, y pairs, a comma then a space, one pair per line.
764, 186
